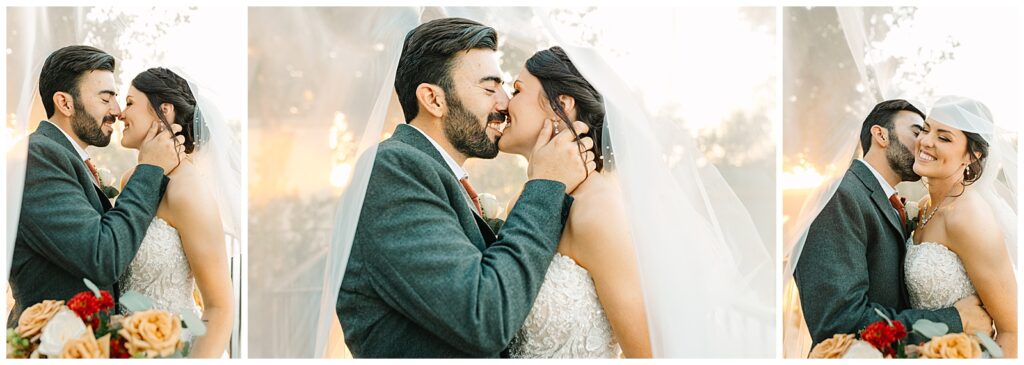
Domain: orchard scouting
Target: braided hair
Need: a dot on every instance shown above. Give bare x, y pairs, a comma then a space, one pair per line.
164, 86
558, 76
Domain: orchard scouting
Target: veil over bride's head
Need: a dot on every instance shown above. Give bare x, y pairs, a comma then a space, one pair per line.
992, 170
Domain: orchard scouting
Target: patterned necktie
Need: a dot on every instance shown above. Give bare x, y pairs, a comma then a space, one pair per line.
472, 195
897, 203
95, 173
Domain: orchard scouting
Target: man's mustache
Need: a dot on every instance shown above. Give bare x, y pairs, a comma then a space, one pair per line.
496, 117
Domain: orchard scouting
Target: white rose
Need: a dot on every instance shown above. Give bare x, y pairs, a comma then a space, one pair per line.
862, 350
107, 177
912, 209
63, 327
490, 206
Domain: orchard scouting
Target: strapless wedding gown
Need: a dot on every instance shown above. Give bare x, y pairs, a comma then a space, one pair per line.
935, 276
161, 271
567, 320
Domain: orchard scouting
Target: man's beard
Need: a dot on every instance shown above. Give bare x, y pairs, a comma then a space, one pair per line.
466, 134
900, 159
86, 128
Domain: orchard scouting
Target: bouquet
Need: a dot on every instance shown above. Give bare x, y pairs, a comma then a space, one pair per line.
888, 339
86, 327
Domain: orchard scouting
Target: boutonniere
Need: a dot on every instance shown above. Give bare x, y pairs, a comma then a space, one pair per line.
107, 181
491, 210
913, 211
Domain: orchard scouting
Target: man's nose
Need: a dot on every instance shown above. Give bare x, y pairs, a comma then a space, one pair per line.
502, 104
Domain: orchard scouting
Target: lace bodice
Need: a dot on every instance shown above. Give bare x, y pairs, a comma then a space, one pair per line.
161, 271
567, 320
935, 276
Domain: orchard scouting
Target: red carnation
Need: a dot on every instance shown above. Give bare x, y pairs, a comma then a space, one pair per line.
118, 350
883, 336
86, 305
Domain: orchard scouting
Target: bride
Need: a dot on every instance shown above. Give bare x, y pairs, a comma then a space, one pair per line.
590, 304
184, 246
959, 248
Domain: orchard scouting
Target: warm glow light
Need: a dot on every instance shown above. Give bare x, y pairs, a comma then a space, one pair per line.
341, 175
338, 127
803, 176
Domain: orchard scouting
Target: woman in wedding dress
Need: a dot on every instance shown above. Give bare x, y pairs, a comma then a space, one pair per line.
591, 303
184, 246
958, 248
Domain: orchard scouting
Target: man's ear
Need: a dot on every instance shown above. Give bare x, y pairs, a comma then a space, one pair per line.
431, 99
880, 135
63, 103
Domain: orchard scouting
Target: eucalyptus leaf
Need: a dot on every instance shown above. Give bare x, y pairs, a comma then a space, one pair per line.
193, 323
885, 317
93, 287
990, 345
930, 329
136, 302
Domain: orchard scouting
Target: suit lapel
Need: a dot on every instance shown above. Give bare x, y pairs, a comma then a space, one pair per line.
48, 130
104, 201
878, 196
406, 134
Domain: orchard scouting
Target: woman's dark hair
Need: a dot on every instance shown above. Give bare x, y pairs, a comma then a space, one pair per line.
558, 76
163, 86
428, 52
63, 69
976, 145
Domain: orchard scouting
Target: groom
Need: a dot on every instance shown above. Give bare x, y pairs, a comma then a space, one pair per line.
426, 276
68, 230
852, 261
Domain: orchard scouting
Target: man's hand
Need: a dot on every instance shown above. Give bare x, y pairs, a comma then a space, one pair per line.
973, 316
161, 148
558, 157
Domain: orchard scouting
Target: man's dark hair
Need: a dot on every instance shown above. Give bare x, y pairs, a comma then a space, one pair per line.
64, 68
882, 116
428, 54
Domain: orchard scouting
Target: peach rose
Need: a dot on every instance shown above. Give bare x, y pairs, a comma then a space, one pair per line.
152, 333
833, 348
35, 317
87, 347
951, 346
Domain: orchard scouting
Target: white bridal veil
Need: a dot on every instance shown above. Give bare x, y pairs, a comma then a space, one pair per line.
707, 274
840, 62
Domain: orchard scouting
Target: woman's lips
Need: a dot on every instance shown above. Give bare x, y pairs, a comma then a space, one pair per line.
497, 126
924, 156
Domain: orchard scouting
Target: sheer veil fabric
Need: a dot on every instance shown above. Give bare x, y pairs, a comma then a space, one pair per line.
707, 275
879, 72
138, 38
